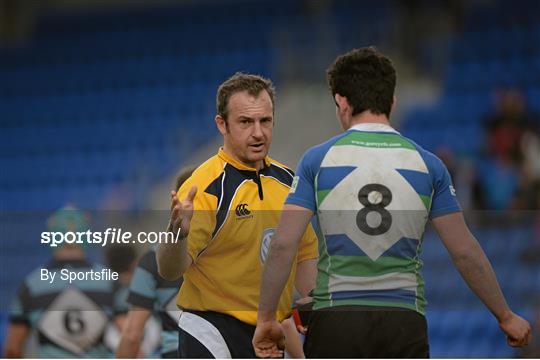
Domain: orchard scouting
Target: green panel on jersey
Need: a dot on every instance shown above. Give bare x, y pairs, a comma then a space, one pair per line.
420, 295
321, 304
364, 266
321, 194
323, 265
426, 200
375, 140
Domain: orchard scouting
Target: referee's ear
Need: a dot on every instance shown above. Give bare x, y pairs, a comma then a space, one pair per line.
222, 125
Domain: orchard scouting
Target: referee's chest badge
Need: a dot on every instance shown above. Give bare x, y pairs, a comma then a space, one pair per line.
265, 243
242, 211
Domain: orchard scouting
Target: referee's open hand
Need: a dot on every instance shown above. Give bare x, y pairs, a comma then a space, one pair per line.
269, 340
182, 212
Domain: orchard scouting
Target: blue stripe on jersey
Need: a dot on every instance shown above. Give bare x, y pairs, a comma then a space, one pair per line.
164, 295
405, 248
400, 295
421, 182
443, 201
143, 283
329, 177
169, 341
341, 244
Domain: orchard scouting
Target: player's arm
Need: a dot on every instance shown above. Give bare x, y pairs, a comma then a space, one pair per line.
268, 336
306, 276
306, 258
476, 270
173, 259
293, 344
293, 223
133, 332
15, 340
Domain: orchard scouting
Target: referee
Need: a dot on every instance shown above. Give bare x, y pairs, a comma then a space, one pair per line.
227, 212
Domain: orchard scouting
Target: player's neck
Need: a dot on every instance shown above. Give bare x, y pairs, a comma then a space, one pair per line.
367, 117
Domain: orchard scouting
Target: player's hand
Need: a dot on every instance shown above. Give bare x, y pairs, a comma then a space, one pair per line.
517, 330
182, 212
269, 340
301, 329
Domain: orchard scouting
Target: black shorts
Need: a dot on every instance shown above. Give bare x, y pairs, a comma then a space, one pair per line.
170, 355
366, 332
198, 340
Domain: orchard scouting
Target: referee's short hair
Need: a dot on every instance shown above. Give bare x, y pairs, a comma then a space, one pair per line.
366, 78
253, 84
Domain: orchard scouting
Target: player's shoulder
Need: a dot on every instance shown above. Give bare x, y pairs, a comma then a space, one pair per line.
325, 146
34, 277
432, 161
315, 154
148, 261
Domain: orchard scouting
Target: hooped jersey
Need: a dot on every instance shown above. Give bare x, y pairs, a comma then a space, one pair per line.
70, 319
150, 291
373, 191
236, 212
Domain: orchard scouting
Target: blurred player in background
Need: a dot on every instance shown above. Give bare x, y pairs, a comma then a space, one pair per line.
70, 319
149, 292
122, 258
227, 212
373, 191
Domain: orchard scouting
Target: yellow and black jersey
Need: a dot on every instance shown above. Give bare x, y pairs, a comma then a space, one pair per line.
236, 211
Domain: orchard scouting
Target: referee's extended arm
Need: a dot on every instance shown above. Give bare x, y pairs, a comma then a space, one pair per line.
173, 259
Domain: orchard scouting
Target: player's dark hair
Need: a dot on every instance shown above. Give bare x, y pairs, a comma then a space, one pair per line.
366, 78
120, 257
183, 175
253, 84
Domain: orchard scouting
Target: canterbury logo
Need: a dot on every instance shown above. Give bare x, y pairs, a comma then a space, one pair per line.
242, 210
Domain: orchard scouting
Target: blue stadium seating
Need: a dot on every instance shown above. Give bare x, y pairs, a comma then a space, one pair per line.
87, 108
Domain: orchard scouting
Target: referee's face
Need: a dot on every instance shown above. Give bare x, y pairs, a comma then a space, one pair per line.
248, 130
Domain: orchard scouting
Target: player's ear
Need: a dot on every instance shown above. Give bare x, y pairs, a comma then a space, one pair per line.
221, 124
341, 102
394, 104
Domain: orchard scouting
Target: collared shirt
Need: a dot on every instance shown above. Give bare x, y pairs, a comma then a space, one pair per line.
373, 191
236, 212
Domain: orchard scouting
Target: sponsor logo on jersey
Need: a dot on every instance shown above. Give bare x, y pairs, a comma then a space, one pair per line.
294, 185
452, 190
242, 211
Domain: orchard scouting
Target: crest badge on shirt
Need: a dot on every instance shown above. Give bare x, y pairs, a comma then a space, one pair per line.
294, 185
265, 243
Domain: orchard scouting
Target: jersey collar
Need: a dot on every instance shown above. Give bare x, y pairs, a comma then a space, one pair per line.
373, 127
237, 164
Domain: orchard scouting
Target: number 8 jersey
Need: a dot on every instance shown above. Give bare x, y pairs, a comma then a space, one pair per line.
373, 191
